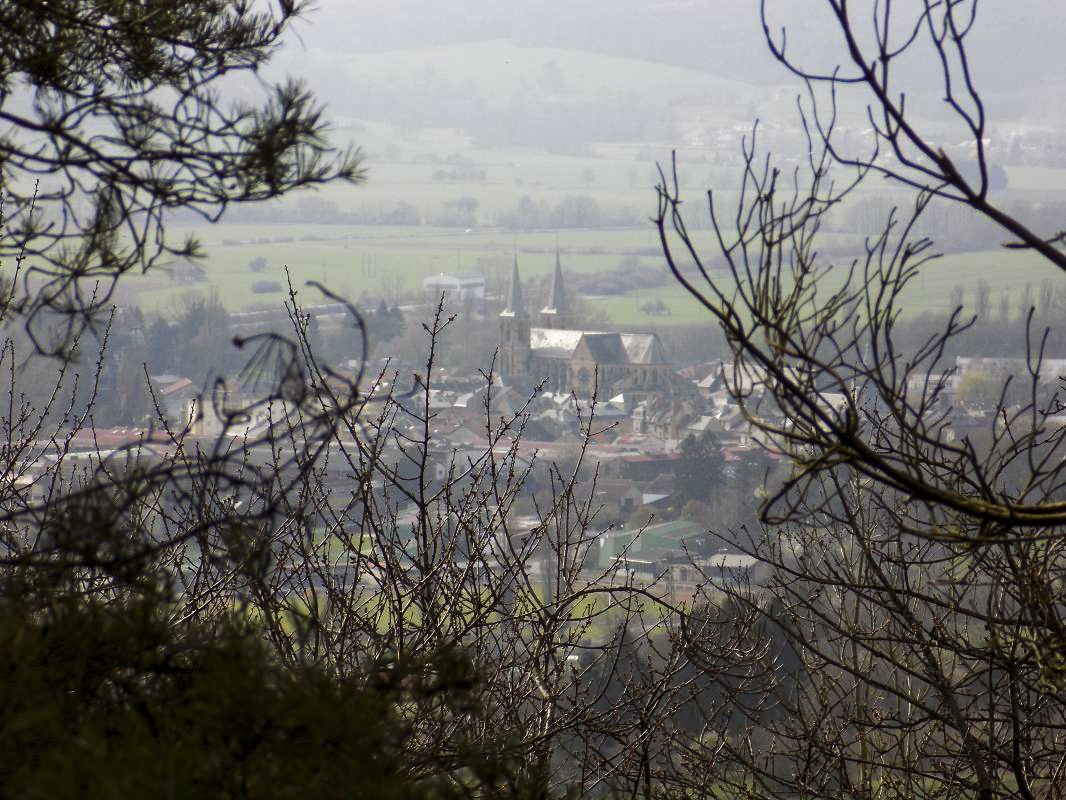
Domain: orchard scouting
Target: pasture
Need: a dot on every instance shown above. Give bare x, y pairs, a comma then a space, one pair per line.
1006, 272
375, 261
371, 261
390, 262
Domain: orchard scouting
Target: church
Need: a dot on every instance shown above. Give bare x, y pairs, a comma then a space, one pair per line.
633, 365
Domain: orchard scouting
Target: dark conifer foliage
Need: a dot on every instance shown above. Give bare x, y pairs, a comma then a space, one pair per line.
113, 116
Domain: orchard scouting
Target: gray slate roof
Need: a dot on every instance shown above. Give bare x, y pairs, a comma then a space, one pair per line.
604, 348
643, 348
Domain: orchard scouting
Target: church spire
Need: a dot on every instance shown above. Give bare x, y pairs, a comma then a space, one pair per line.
515, 303
556, 294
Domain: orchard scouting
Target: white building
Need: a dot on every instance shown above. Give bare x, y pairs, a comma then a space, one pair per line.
468, 286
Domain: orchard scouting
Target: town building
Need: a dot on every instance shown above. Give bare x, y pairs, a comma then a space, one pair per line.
573, 359
468, 287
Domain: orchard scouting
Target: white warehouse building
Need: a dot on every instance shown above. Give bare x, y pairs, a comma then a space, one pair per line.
468, 286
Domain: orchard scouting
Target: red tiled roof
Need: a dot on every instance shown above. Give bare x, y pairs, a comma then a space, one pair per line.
177, 386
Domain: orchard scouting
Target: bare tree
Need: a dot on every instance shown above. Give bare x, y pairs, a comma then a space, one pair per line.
873, 43
905, 637
909, 640
421, 550
329, 515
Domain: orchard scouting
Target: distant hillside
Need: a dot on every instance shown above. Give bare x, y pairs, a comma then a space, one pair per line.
720, 37
499, 92
688, 33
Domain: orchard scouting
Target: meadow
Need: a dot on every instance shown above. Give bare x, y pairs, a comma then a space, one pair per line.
1006, 272
391, 261
405, 161
374, 261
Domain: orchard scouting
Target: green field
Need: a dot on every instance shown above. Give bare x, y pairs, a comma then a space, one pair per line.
1005, 271
392, 261
1037, 179
370, 261
616, 176
376, 261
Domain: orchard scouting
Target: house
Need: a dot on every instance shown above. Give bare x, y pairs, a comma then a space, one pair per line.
648, 466
683, 575
611, 498
173, 393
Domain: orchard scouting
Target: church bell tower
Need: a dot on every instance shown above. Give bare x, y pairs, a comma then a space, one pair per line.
514, 329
